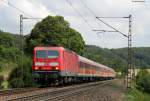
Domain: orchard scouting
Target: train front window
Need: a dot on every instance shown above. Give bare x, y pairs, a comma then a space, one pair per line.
52, 54
41, 54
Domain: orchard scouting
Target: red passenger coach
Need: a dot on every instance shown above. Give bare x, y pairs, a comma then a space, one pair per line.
59, 65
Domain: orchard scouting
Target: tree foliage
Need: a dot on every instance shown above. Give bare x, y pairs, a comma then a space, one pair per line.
55, 31
9, 40
140, 56
10, 62
143, 81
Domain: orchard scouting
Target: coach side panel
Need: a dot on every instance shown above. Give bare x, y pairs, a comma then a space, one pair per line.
70, 64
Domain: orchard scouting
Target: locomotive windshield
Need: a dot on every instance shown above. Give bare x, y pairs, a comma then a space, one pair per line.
52, 54
41, 54
46, 54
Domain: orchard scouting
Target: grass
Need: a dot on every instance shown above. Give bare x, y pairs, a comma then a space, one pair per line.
4, 85
5, 71
137, 95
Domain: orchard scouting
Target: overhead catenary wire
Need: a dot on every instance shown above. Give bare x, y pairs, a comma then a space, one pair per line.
91, 11
84, 19
11, 5
94, 15
111, 27
108, 25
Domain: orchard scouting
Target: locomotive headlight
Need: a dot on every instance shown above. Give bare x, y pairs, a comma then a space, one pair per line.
36, 68
54, 64
39, 63
56, 68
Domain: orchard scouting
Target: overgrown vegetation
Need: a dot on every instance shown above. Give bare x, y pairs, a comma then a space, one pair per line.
9, 56
137, 95
141, 91
22, 77
143, 81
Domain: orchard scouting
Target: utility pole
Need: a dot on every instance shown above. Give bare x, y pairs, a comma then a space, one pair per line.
21, 40
129, 66
129, 70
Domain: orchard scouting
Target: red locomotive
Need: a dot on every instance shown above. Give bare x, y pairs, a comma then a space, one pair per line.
59, 65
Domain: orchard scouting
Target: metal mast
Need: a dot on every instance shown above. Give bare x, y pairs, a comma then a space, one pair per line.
21, 40
130, 70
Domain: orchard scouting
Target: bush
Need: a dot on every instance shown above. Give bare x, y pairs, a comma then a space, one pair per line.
143, 81
1, 79
22, 77
16, 83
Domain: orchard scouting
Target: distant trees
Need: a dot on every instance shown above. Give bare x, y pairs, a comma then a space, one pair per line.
55, 31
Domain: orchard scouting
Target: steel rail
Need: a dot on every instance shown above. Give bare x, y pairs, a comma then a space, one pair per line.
16, 91
65, 95
61, 94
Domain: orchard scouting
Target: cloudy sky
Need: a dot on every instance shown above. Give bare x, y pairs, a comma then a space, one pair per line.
81, 16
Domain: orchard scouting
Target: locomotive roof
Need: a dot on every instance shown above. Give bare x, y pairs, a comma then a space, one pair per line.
47, 47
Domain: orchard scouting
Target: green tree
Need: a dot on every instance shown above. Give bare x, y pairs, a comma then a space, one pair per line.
6, 39
143, 81
55, 31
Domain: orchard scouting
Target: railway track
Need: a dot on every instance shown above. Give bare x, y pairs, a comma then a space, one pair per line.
59, 94
16, 91
75, 91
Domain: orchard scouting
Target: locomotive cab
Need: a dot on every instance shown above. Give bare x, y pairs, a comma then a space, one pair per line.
46, 60
46, 63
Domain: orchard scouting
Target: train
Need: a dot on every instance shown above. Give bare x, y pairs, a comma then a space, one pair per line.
58, 65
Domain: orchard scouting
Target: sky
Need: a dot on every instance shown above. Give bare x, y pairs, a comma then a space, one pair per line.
81, 14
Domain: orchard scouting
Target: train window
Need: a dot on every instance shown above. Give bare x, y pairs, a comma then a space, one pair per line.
85, 65
52, 54
97, 68
41, 54
88, 66
81, 65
